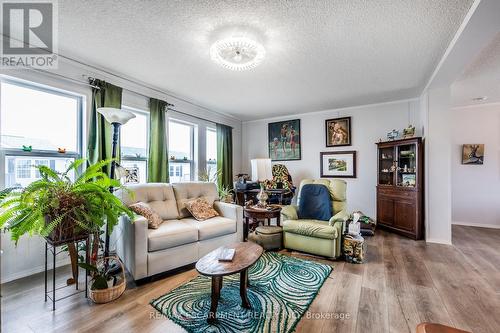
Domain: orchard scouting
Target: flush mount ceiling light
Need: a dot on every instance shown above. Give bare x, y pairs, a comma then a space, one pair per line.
480, 99
237, 53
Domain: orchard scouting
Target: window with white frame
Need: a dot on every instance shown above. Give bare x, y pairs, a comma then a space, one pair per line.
134, 137
211, 153
181, 151
37, 124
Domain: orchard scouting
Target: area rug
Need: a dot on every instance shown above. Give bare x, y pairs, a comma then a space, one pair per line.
281, 288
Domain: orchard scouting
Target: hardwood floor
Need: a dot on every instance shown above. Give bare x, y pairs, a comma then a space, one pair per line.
402, 284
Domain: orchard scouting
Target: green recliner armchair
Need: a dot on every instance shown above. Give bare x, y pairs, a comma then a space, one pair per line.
314, 236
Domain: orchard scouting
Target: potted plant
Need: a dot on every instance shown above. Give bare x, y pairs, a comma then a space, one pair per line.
105, 286
61, 209
225, 193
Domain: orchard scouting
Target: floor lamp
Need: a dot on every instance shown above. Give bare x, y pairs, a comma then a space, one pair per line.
116, 117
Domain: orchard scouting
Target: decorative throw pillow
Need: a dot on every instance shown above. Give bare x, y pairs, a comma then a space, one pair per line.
143, 209
201, 209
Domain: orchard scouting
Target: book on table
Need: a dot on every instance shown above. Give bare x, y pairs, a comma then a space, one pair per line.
226, 254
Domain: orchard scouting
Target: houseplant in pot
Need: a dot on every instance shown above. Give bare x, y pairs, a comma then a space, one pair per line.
61, 209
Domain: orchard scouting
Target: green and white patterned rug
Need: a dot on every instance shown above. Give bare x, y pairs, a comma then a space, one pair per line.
280, 291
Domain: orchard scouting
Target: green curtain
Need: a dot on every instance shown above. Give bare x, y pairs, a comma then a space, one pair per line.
158, 156
100, 131
225, 156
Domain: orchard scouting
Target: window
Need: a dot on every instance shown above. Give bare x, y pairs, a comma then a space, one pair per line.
35, 117
35, 121
134, 136
211, 153
38, 163
23, 169
180, 148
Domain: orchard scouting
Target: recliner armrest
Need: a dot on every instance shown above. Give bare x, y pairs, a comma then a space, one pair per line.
341, 216
289, 213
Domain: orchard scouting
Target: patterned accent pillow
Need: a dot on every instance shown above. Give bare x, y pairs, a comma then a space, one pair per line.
201, 209
143, 209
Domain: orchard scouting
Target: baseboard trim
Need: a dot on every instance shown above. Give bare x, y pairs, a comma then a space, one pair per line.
31, 271
479, 225
438, 241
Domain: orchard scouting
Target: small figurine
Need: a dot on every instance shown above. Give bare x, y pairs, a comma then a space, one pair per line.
27, 148
61, 150
409, 132
393, 135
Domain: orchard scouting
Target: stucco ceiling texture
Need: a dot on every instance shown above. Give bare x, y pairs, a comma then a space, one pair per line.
321, 54
481, 78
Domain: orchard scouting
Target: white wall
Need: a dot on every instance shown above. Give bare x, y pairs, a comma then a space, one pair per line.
476, 188
437, 129
369, 124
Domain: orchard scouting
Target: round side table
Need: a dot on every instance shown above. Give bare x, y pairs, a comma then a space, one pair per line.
251, 213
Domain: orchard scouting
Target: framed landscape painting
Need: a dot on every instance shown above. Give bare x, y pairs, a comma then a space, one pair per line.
473, 154
338, 132
338, 164
284, 140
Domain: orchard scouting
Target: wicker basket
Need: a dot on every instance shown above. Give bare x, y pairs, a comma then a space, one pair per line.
110, 294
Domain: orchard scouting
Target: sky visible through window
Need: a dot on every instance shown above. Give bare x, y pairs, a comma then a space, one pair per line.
211, 145
179, 140
39, 119
133, 136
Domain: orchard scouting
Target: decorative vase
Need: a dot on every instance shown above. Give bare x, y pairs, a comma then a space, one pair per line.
262, 197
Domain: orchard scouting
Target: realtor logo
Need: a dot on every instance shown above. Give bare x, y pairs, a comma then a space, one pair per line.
29, 34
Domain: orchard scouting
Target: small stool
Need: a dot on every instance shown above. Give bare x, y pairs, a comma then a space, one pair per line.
269, 237
354, 249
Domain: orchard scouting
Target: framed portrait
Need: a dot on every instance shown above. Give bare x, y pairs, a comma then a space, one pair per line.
338, 132
473, 154
338, 164
284, 140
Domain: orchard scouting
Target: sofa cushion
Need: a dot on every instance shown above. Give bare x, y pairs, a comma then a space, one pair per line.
311, 228
201, 209
143, 209
185, 192
214, 227
159, 196
172, 233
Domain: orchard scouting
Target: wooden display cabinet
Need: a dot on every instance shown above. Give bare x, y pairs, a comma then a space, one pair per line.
400, 194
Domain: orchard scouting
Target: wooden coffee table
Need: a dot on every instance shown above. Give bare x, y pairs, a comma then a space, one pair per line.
246, 254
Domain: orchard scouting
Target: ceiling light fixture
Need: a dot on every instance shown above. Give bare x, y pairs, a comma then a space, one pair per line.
480, 99
237, 53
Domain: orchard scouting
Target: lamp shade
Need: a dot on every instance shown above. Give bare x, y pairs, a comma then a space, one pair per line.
261, 169
114, 115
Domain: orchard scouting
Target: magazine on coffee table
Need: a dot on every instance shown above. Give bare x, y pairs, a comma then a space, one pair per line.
226, 254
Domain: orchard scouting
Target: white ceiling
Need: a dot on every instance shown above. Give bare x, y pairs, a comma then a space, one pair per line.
481, 78
321, 54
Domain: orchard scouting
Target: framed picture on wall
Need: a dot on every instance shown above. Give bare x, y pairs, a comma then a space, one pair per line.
338, 132
284, 140
473, 154
338, 164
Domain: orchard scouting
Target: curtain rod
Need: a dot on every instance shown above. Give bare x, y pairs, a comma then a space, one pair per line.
190, 115
90, 78
87, 83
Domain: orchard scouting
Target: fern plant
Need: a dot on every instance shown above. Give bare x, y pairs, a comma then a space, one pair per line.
57, 207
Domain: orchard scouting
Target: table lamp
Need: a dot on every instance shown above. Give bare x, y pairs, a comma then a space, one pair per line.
261, 169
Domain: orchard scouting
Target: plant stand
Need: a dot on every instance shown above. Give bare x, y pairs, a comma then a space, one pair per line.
53, 248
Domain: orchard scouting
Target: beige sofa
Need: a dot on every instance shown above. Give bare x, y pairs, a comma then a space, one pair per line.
180, 240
